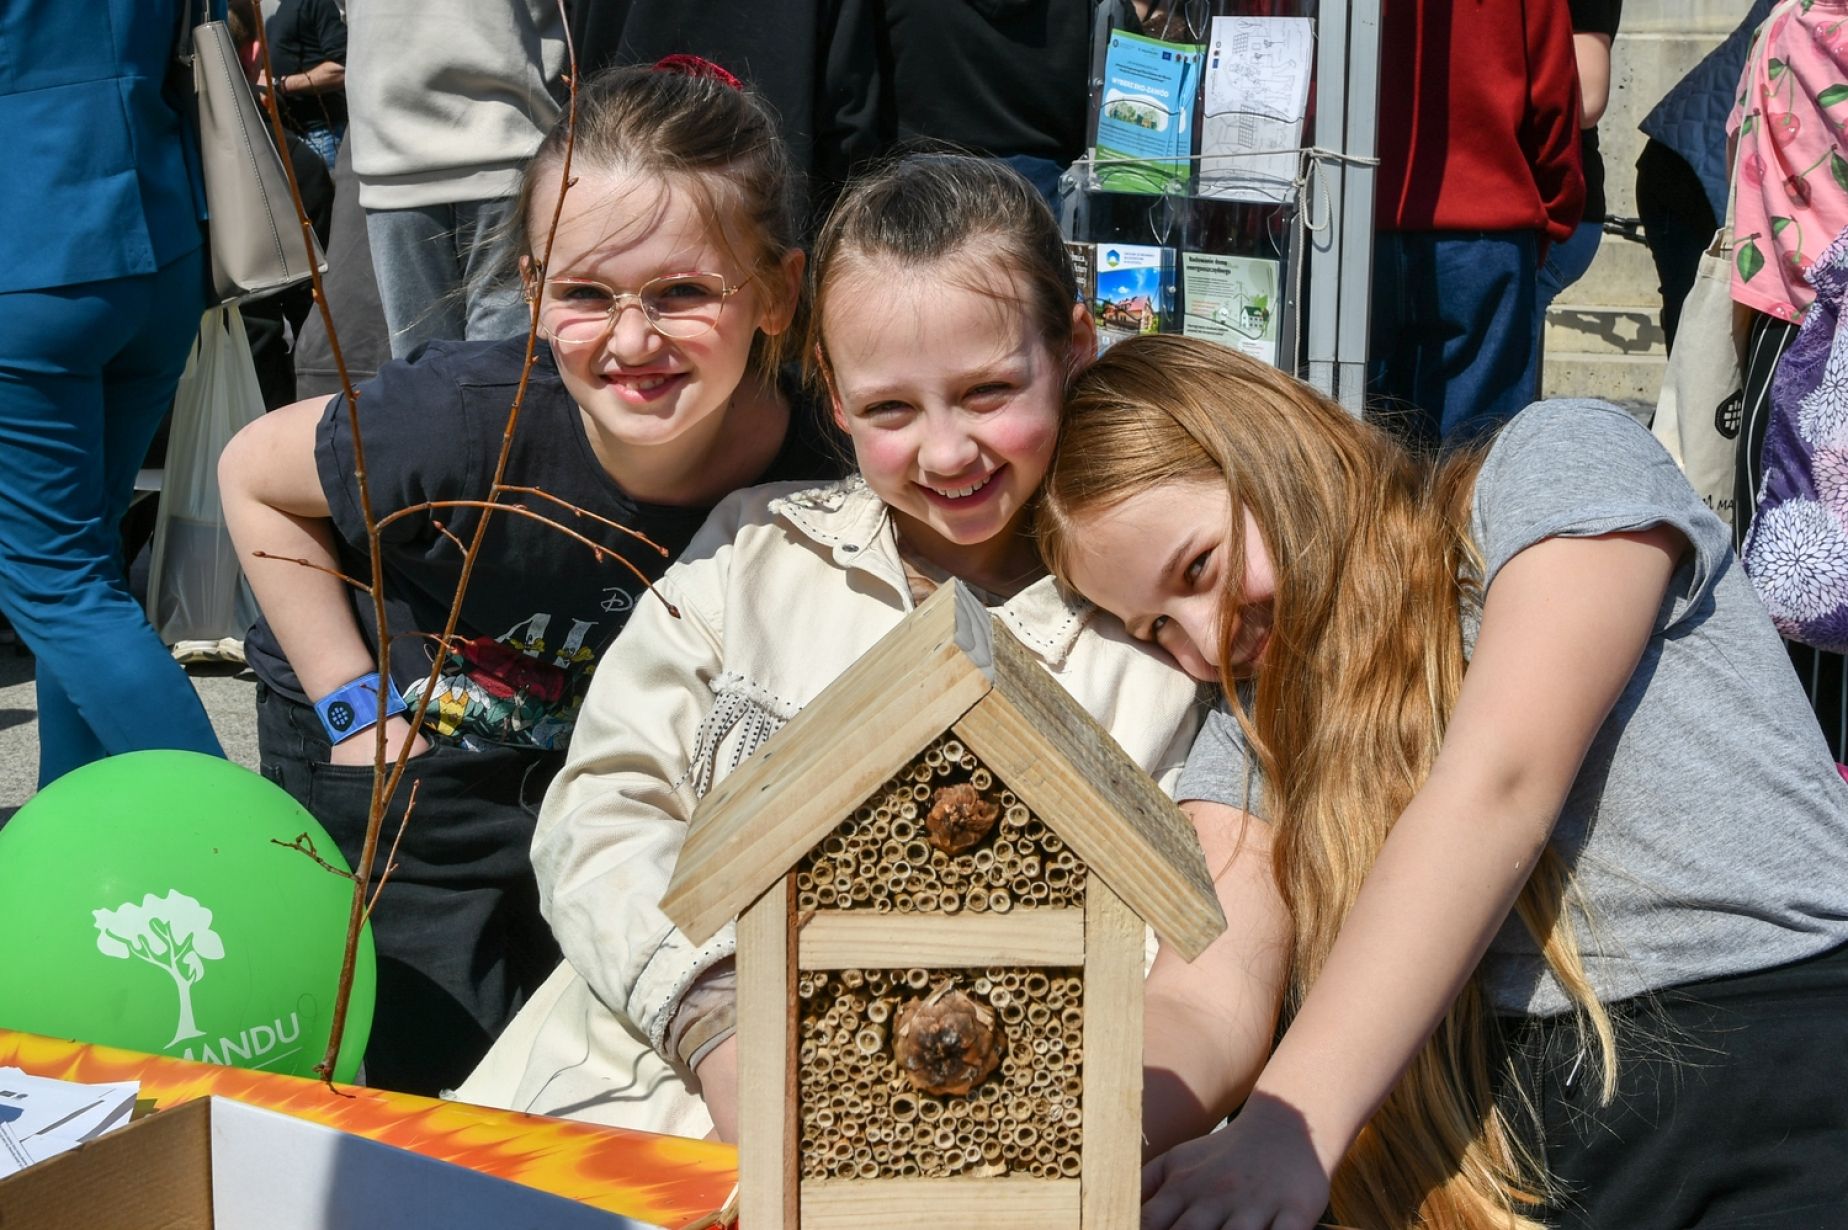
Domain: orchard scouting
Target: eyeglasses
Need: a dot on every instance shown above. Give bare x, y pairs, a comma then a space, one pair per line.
581, 311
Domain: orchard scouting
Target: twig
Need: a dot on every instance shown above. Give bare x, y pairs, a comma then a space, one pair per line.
343, 992
391, 859
444, 531
520, 510
581, 512
305, 845
308, 563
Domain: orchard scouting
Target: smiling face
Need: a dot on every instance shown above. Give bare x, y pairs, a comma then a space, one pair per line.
952, 400
1157, 560
636, 388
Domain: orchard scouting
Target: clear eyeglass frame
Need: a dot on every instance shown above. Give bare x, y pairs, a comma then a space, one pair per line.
675, 328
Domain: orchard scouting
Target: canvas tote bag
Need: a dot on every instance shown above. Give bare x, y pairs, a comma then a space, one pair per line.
1702, 403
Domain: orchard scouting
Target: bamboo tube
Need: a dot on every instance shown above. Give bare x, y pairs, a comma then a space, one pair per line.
904, 829
824, 896
917, 979
917, 853
999, 901
1016, 815
1013, 1014
924, 901
870, 1041
949, 901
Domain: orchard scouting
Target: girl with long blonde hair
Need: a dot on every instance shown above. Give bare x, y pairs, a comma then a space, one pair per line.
1525, 829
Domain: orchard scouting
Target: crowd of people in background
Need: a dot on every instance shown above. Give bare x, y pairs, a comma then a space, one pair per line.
1529, 838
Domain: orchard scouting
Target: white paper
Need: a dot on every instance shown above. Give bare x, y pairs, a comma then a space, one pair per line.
1257, 93
41, 1117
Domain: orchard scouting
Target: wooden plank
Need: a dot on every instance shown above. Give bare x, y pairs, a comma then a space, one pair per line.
769, 1179
1067, 768
861, 939
1112, 1153
1003, 1203
902, 693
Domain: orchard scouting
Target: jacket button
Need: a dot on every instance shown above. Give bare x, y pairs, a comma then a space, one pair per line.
849, 547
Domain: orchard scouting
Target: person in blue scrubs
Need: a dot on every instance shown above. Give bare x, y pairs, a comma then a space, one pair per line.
102, 281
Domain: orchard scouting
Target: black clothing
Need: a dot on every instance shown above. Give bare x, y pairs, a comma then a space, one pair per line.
812, 60
273, 322
460, 940
1002, 77
1691, 1138
302, 34
1678, 224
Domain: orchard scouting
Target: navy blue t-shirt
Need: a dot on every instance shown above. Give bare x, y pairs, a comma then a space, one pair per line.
539, 608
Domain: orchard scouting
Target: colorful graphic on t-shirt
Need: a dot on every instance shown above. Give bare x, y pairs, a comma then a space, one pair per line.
516, 688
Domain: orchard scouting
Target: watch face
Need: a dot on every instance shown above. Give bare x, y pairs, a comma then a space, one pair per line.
340, 715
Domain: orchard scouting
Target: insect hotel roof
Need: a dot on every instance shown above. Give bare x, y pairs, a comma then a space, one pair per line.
947, 666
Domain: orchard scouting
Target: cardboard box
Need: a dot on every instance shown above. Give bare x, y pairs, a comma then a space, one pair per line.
214, 1164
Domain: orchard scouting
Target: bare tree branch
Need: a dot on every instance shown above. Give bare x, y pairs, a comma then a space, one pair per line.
308, 563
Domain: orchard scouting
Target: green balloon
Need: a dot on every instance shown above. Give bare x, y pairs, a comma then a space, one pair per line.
144, 903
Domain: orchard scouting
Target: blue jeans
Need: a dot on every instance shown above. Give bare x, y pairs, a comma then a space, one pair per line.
1567, 262
87, 373
441, 275
1453, 345
324, 141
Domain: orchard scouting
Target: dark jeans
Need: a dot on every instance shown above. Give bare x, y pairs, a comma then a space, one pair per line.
1729, 1109
1678, 224
1454, 338
461, 944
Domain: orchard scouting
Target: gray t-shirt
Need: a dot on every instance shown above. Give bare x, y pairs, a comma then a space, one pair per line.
1707, 828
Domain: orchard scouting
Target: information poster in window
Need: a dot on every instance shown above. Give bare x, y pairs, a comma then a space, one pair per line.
1231, 300
1144, 120
1135, 290
1257, 93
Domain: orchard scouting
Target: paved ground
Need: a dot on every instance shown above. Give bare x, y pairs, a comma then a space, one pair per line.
229, 694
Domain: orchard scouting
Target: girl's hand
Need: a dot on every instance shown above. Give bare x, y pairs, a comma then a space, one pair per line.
359, 749
1261, 1172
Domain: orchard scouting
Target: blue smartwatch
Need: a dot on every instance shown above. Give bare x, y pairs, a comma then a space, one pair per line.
354, 707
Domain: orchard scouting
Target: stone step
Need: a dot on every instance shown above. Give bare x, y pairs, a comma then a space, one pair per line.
1629, 380
1601, 329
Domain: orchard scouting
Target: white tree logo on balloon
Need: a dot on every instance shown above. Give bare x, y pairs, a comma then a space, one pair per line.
173, 933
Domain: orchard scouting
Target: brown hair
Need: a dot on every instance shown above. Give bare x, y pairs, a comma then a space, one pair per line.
924, 206
1374, 572
715, 140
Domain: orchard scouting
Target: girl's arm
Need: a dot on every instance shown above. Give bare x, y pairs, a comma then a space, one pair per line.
1564, 625
1209, 1023
274, 503
1593, 52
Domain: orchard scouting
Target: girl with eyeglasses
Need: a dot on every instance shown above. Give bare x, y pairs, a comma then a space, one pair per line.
945, 325
664, 300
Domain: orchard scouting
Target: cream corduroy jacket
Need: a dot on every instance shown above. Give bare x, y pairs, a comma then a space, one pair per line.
784, 587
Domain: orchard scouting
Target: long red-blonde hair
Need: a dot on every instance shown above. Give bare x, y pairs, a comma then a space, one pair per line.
1375, 572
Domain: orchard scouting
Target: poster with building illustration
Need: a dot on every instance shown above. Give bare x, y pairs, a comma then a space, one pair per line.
1134, 290
1144, 120
1256, 95
1232, 300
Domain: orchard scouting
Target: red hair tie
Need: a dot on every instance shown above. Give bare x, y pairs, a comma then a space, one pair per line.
696, 66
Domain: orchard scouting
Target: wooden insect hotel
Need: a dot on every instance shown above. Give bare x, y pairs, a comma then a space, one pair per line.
941, 871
